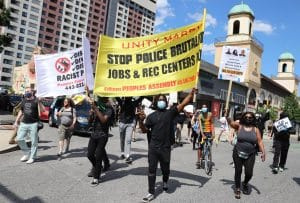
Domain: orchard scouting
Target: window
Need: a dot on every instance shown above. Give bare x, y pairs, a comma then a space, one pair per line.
21, 39
30, 41
32, 33
24, 14
22, 30
29, 49
20, 47
34, 9
284, 67
18, 63
250, 27
25, 6
236, 27
19, 55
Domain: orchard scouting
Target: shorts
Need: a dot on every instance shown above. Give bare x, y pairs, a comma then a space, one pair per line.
64, 132
200, 144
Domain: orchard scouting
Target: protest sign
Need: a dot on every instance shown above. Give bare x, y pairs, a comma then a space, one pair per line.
149, 65
283, 124
234, 63
62, 73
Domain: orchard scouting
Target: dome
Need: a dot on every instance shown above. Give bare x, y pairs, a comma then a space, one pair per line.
241, 8
286, 55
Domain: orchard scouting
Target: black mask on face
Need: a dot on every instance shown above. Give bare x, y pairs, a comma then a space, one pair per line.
248, 120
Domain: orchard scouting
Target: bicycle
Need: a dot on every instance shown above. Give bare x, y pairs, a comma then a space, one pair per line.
206, 156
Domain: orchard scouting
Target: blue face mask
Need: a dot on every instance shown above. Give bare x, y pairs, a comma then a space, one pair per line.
161, 104
28, 94
204, 109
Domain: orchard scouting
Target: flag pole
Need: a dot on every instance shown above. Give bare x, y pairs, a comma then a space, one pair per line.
199, 61
228, 96
85, 79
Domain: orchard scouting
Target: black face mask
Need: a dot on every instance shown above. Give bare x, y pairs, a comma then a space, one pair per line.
249, 121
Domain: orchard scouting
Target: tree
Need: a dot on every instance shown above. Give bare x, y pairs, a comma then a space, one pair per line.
291, 106
5, 18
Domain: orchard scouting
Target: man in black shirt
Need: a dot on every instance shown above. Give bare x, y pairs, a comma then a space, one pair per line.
281, 145
100, 115
127, 124
30, 111
160, 125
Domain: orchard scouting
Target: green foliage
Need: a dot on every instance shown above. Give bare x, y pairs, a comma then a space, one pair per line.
273, 114
291, 106
5, 18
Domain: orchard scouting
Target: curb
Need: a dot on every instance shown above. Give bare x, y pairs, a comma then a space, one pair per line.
10, 149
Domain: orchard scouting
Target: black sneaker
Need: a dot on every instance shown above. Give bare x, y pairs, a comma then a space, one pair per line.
148, 198
275, 170
165, 186
245, 189
198, 165
91, 173
237, 194
106, 167
122, 156
128, 160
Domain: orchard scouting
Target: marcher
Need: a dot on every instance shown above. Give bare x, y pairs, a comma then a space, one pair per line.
100, 115
29, 125
126, 125
261, 119
178, 125
195, 128
207, 130
159, 125
244, 152
224, 129
281, 144
67, 115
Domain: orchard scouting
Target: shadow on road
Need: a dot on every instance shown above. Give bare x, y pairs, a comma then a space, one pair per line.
12, 197
173, 183
297, 180
231, 182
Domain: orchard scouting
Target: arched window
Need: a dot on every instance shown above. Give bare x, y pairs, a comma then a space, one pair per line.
255, 66
284, 67
252, 97
236, 27
250, 27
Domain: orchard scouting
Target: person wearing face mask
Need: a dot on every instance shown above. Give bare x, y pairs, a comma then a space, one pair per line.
207, 130
100, 116
127, 124
159, 126
244, 151
29, 113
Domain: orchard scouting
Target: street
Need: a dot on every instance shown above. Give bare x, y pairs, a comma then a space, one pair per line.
65, 180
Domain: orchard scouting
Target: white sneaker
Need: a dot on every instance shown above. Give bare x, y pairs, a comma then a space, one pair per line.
281, 169
148, 198
24, 158
30, 161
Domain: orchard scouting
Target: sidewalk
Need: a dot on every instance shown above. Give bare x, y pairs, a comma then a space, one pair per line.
6, 133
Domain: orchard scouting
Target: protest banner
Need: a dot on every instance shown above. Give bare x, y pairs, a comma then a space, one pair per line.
62, 73
234, 63
283, 124
160, 63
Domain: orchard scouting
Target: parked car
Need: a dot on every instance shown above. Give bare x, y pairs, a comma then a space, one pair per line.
56, 105
47, 101
14, 100
82, 125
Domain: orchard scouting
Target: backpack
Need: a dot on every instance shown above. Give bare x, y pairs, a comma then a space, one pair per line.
112, 119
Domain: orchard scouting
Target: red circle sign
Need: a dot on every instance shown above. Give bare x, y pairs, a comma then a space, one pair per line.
62, 65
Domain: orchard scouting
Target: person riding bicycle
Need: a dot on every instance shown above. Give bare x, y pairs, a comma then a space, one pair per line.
207, 130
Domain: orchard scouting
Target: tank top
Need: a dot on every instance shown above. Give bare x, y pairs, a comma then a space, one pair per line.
246, 140
206, 123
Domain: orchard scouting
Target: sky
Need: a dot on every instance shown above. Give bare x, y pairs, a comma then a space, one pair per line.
276, 25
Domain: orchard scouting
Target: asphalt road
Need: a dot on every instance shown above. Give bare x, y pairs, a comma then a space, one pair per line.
65, 180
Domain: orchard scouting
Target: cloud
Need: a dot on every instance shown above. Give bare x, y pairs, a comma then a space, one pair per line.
264, 27
202, 1
163, 11
207, 33
210, 20
209, 48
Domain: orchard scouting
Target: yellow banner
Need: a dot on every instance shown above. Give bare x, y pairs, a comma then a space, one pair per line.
161, 63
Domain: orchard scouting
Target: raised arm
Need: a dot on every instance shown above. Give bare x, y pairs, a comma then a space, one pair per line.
186, 100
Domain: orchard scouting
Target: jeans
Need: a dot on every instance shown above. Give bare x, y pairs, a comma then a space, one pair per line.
32, 130
281, 151
163, 156
238, 165
126, 130
96, 153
